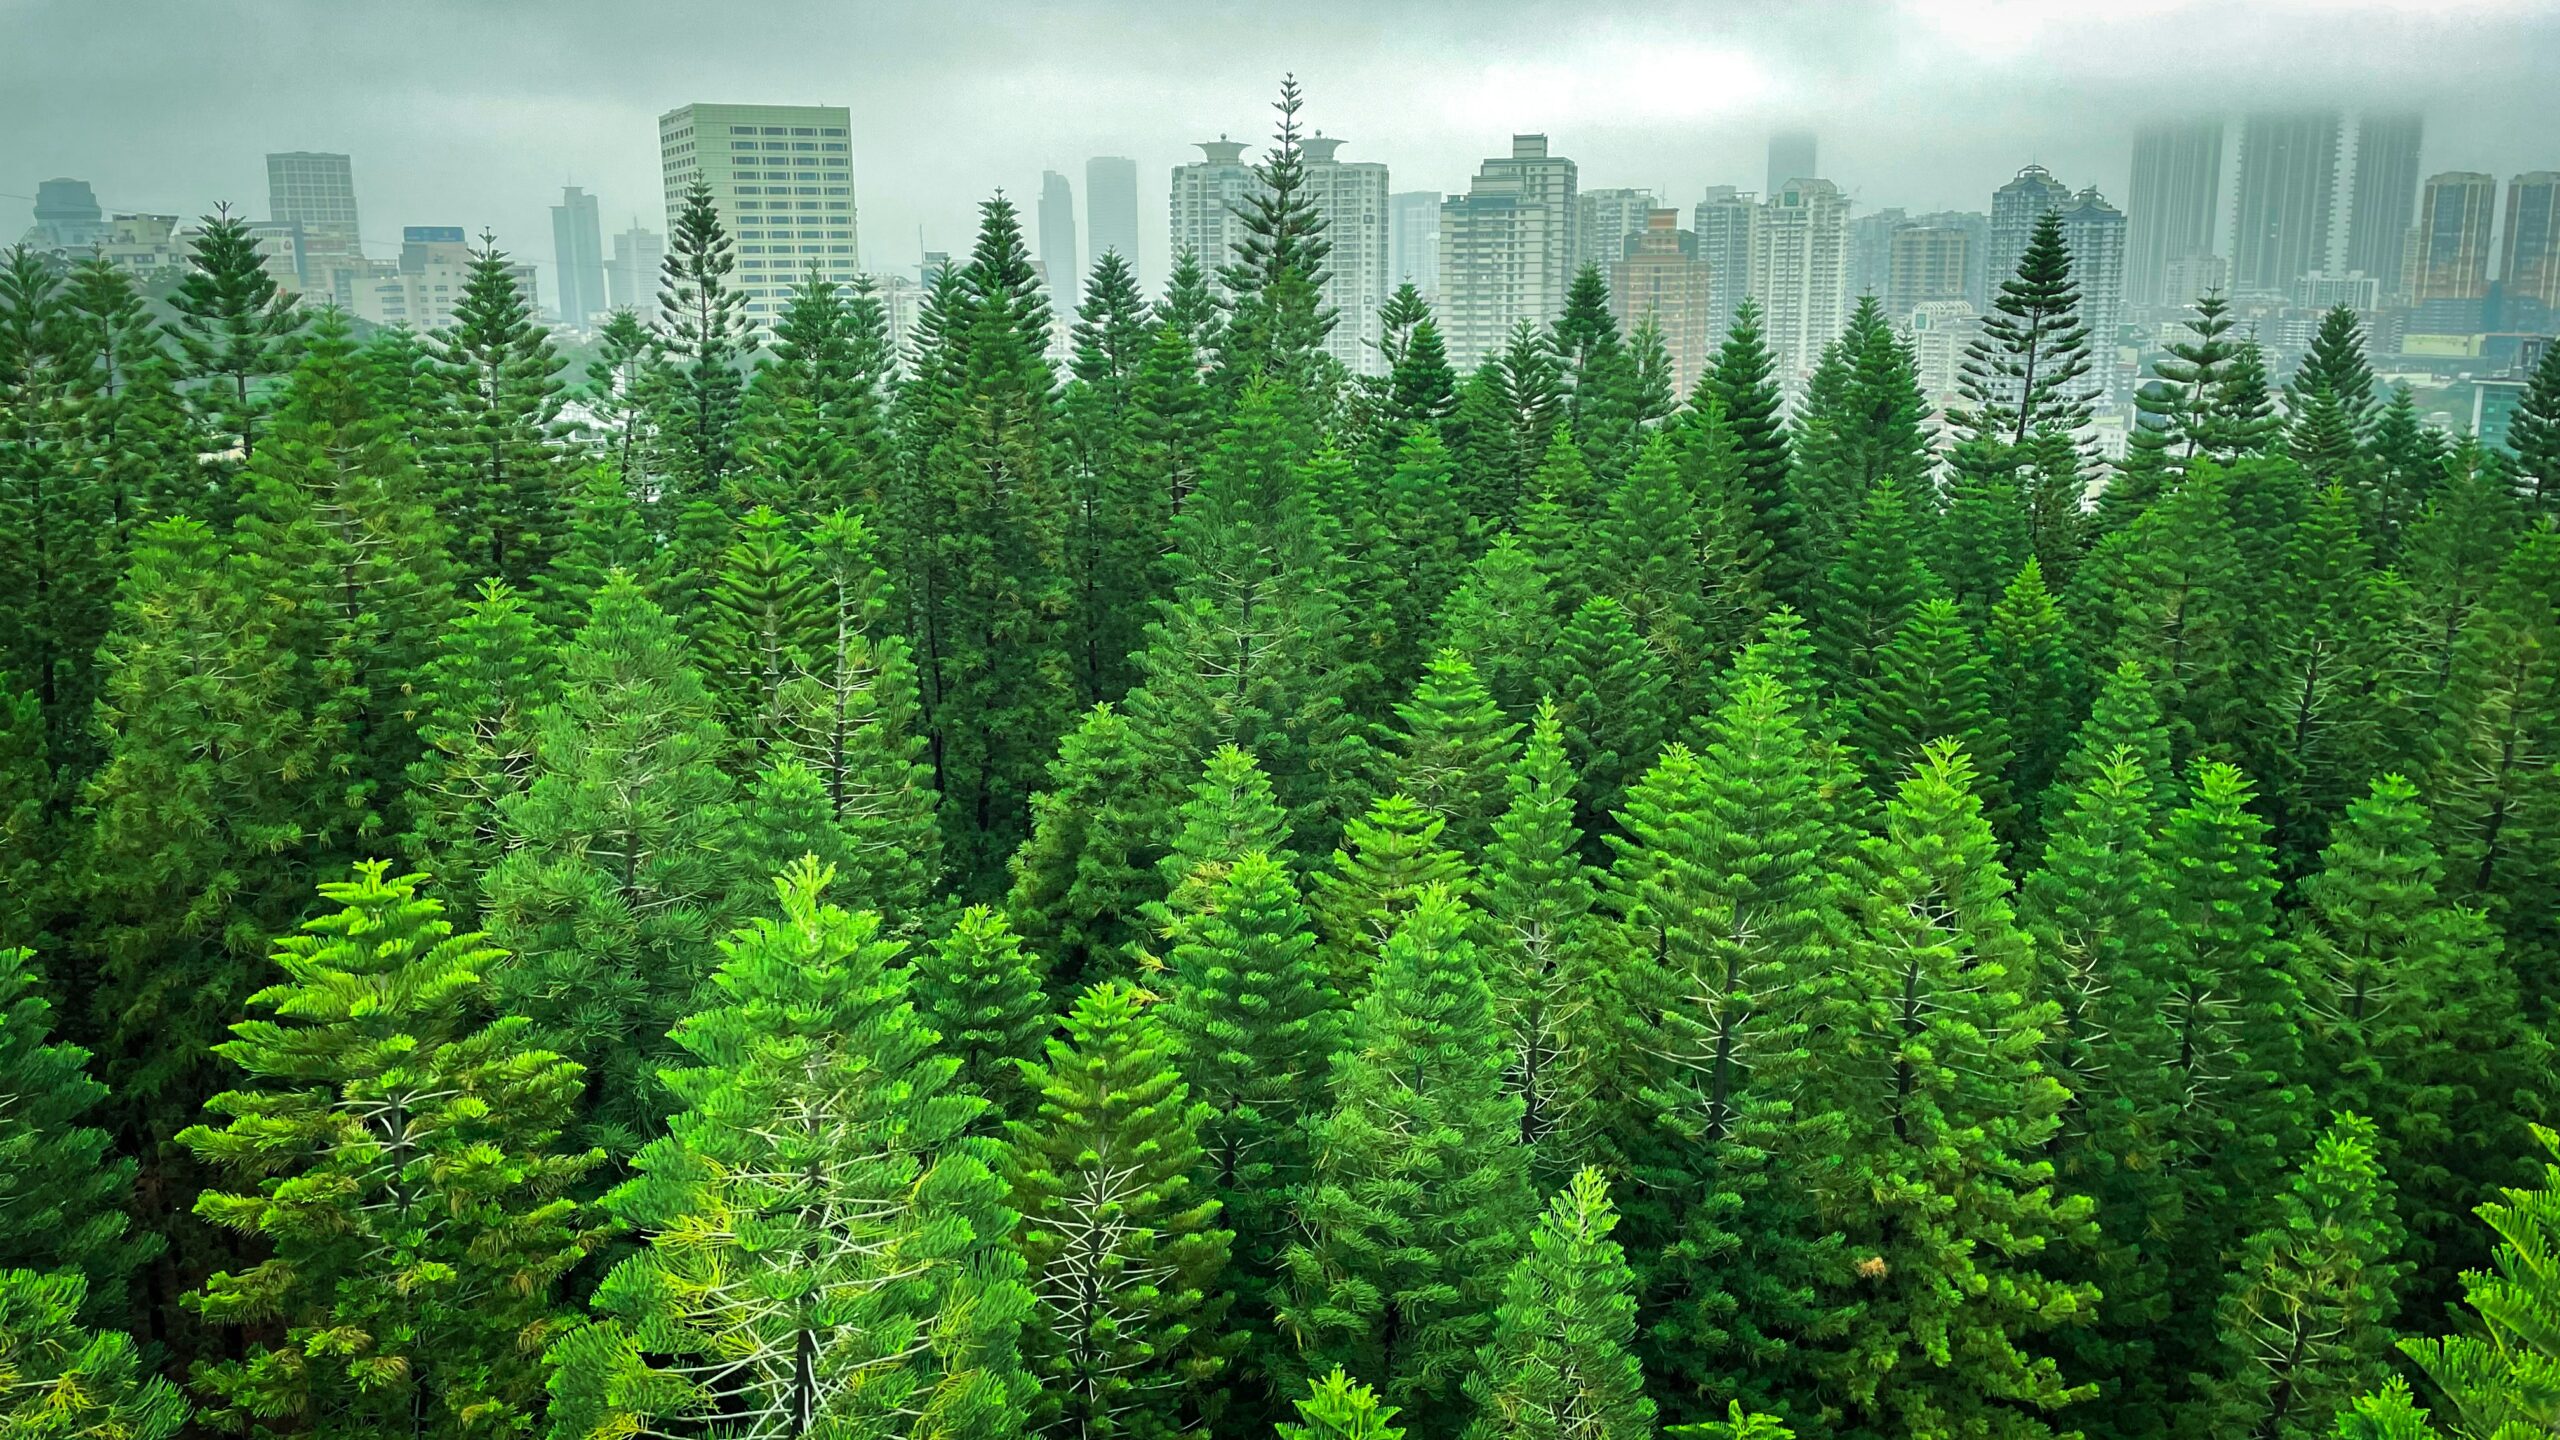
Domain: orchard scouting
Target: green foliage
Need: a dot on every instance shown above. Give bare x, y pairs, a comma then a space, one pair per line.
1614, 704
65, 1381
2029, 367
704, 341
1743, 382
1537, 902
1336, 1409
235, 330
1080, 881
498, 458
813, 424
493, 672
840, 1272
1454, 751
1121, 1246
1559, 1362
400, 1159
63, 1189
1390, 859
982, 993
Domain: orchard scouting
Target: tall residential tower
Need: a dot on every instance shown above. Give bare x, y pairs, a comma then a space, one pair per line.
2177, 188
1111, 210
2286, 202
1058, 242
1506, 248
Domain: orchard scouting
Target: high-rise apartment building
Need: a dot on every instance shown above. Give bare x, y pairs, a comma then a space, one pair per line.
318, 192
1941, 331
1351, 195
1111, 210
2286, 201
2177, 188
1205, 195
1791, 157
1058, 242
781, 177
632, 282
1928, 263
1663, 281
2529, 263
2095, 231
1725, 222
1605, 222
1506, 248
2384, 191
1800, 273
2015, 209
1871, 251
577, 245
1413, 240
2447, 258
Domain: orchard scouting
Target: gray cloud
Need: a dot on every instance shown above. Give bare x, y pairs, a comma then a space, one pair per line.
474, 112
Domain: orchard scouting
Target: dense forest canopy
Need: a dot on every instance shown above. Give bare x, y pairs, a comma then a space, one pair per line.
784, 886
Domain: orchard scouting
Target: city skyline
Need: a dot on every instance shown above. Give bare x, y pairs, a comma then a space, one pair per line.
929, 153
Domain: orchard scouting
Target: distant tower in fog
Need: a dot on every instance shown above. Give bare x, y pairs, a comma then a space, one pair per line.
2177, 188
1058, 241
1790, 158
1111, 210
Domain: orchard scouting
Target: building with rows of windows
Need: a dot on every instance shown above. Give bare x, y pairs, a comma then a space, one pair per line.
782, 179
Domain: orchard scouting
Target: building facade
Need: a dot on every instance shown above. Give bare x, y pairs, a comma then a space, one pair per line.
781, 177
1800, 274
1605, 223
1871, 250
318, 192
67, 217
1058, 243
1351, 195
632, 281
2015, 209
1205, 195
1725, 222
577, 242
2382, 195
1662, 281
1413, 240
2285, 204
2529, 260
1506, 248
1111, 211
1927, 263
2447, 257
423, 288
2096, 233
2177, 189
1941, 331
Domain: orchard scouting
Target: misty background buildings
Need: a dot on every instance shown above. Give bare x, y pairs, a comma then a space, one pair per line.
2287, 212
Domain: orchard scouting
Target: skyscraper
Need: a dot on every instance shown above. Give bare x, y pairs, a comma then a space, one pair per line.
2447, 257
2177, 187
1791, 157
1413, 240
1871, 250
1351, 195
1726, 221
2529, 267
1205, 195
2015, 209
1800, 273
2286, 203
781, 177
1111, 210
633, 280
2095, 231
1058, 242
1506, 248
67, 216
1927, 263
2385, 191
1604, 221
318, 192
1662, 280
577, 243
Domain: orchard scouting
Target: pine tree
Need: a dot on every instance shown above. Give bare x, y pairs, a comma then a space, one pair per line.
401, 1160
1866, 427
1117, 510
1081, 879
2036, 682
2405, 462
236, 330
64, 1191
1942, 1186
1560, 1361
2335, 362
2414, 1020
2534, 435
983, 994
851, 716
1230, 812
1389, 860
768, 624
1648, 559
2241, 414
1123, 1249
1454, 751
2169, 593
2307, 1319
704, 340
1743, 379
2027, 369
1542, 955
2451, 554
1933, 683
499, 459
1614, 704
617, 392
2125, 715
28, 879
1336, 1409
615, 878
1559, 523
823, 1243
1601, 400
1981, 537
2321, 663
492, 674
68, 1380
129, 423
1508, 416
813, 424
1420, 1192
1503, 620
1427, 545
1873, 590
1277, 320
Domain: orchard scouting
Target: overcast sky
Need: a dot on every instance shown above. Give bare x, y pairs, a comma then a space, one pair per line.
474, 112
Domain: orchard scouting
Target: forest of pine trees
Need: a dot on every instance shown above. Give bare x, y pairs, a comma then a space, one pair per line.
792, 886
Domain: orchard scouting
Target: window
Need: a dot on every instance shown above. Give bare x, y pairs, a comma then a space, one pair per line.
836, 149
832, 131
777, 144
775, 130
742, 144
806, 190
802, 130
750, 190
804, 145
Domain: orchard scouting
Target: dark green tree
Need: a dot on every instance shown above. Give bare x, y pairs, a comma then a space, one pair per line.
813, 426
64, 1191
2029, 368
704, 342
982, 993
2534, 435
1743, 380
1276, 320
501, 469
236, 330
1455, 750
478, 701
